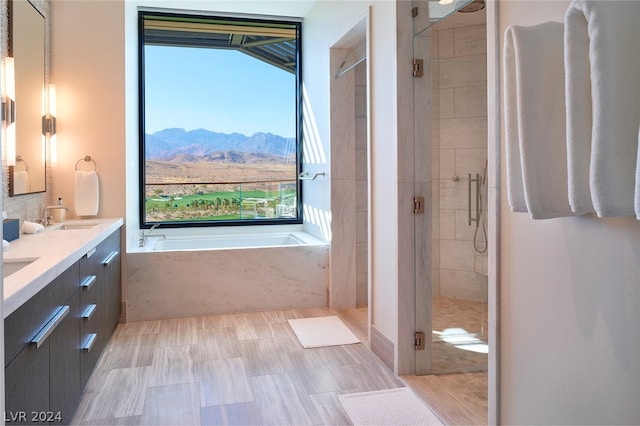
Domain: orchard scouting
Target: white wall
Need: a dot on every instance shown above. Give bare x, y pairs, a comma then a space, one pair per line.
570, 304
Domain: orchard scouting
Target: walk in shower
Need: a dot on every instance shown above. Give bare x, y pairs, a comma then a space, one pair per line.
450, 102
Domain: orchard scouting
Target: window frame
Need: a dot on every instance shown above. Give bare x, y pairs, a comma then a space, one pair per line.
297, 23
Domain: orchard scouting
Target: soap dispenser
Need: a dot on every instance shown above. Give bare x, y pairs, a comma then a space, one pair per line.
59, 214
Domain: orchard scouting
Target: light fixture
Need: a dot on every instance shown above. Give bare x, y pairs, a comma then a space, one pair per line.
9, 108
443, 2
49, 123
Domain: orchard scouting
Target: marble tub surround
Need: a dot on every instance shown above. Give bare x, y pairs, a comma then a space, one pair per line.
54, 250
178, 284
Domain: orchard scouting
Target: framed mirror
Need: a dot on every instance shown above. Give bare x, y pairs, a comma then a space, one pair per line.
27, 46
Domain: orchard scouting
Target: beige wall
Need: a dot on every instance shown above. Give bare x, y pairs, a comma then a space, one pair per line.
88, 69
570, 292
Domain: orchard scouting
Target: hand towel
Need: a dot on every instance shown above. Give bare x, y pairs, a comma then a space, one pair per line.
31, 227
87, 193
535, 134
602, 66
5, 245
20, 182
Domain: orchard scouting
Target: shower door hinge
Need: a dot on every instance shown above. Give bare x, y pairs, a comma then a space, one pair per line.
414, 12
418, 67
419, 341
418, 205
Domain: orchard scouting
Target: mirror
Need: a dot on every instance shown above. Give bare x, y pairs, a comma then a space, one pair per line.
27, 46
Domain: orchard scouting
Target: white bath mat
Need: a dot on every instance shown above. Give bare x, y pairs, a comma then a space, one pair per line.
387, 407
322, 331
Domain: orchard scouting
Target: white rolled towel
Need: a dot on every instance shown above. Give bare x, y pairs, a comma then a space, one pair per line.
31, 227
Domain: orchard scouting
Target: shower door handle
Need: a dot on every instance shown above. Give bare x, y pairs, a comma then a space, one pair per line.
477, 218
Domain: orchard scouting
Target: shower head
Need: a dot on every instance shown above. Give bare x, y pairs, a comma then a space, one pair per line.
474, 6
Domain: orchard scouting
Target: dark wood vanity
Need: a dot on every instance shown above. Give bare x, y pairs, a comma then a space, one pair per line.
54, 340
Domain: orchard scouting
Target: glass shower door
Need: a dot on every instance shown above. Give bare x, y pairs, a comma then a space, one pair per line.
449, 168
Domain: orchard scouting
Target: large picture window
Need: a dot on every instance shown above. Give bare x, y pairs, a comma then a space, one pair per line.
219, 120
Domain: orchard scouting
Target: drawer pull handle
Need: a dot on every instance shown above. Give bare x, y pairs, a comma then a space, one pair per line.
46, 331
88, 313
91, 252
89, 282
111, 257
90, 341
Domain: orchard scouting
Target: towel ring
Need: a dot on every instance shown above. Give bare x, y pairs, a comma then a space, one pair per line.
19, 159
87, 158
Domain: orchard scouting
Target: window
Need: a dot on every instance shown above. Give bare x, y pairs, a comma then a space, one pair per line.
220, 120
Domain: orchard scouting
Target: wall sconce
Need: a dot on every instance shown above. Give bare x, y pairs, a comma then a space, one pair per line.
49, 123
9, 108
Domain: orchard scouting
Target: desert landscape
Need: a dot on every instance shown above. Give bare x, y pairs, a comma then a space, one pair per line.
188, 180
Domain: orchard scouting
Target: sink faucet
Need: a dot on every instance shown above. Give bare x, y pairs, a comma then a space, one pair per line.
46, 218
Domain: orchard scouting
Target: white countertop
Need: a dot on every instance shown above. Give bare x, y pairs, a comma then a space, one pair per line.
55, 250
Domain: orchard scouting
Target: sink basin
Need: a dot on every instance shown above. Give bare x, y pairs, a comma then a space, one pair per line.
12, 266
71, 226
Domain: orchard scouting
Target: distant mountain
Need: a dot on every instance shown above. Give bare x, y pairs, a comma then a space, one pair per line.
178, 145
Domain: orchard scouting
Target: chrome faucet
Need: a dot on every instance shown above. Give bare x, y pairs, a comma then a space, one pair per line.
143, 237
45, 218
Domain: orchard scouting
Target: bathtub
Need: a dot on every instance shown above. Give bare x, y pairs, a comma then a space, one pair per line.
178, 276
232, 242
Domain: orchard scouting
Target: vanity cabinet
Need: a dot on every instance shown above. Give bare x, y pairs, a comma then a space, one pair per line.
53, 341
42, 339
100, 300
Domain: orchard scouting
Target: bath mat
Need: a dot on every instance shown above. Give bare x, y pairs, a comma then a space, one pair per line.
322, 331
387, 407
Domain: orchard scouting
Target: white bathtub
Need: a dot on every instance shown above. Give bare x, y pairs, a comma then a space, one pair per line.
225, 242
195, 275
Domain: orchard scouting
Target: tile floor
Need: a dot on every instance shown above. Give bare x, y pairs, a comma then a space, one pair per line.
250, 369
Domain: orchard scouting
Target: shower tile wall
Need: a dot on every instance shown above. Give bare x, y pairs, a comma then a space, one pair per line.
460, 147
361, 184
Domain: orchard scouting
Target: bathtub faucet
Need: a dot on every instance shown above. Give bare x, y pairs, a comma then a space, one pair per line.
143, 237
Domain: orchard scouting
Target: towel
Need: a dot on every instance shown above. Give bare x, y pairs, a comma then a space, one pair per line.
87, 193
603, 105
535, 133
31, 227
20, 182
5, 245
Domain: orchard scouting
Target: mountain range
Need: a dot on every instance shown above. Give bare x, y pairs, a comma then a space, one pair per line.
179, 145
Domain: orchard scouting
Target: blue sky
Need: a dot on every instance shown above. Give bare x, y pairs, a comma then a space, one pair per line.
190, 89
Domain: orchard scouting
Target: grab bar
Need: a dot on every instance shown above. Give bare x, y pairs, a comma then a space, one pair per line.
477, 218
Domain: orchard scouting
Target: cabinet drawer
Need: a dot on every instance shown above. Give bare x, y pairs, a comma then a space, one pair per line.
23, 324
